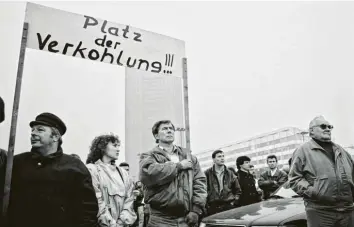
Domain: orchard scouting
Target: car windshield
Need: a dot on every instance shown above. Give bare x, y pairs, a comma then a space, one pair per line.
284, 191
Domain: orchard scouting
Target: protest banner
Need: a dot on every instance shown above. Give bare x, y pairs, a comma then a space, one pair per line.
100, 40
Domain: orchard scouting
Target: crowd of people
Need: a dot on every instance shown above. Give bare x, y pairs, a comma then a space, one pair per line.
52, 188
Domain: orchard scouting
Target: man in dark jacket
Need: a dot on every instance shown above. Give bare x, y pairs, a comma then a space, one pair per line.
249, 193
50, 188
322, 172
175, 184
223, 188
2, 161
271, 179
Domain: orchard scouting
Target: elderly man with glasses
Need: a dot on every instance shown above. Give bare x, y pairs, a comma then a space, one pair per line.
322, 172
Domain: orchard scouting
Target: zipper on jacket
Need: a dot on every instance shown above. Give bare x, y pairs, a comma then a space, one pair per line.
335, 172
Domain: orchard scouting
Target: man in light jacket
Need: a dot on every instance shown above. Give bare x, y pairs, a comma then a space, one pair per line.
166, 172
322, 172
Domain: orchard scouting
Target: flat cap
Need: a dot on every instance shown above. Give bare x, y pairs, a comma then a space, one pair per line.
51, 120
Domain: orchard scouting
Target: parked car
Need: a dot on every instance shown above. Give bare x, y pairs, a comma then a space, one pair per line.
284, 208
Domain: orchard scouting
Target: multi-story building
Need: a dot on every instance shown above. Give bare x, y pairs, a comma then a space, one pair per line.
350, 150
281, 143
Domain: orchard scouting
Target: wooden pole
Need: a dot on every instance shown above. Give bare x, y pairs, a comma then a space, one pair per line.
187, 128
15, 108
186, 103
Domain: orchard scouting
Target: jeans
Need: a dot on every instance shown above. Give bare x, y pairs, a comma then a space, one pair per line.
159, 221
141, 216
325, 218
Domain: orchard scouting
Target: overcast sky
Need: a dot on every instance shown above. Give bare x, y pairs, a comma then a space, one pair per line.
253, 67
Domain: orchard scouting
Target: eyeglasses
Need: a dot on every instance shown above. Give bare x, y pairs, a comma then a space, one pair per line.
324, 126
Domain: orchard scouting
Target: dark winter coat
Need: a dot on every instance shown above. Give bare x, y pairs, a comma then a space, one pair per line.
249, 192
267, 183
54, 190
3, 155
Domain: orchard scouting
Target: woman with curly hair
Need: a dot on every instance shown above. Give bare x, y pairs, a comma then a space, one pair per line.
113, 186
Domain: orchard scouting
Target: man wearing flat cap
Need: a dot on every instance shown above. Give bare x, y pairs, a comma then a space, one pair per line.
50, 188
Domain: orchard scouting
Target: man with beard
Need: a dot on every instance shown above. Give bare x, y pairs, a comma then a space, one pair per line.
175, 184
50, 188
223, 188
271, 179
322, 172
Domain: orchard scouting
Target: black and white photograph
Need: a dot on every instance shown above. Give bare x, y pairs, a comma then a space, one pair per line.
177, 114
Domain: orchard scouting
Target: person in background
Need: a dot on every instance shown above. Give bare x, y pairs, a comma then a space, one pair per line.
286, 169
113, 186
322, 173
175, 184
125, 166
260, 191
139, 204
253, 172
271, 179
249, 193
223, 188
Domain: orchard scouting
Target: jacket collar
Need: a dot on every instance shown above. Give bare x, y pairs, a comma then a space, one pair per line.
158, 150
242, 172
99, 162
163, 149
213, 169
269, 172
36, 155
315, 146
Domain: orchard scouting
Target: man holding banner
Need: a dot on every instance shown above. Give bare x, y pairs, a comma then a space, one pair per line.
50, 188
175, 184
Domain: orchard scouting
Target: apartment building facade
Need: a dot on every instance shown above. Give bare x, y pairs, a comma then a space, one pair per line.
281, 143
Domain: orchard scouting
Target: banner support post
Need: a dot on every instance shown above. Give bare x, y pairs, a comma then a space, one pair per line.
186, 102
15, 108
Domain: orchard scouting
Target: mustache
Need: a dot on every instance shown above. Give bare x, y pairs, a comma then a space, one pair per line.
35, 138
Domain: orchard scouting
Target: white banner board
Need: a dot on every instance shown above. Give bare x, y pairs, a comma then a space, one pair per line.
149, 98
95, 39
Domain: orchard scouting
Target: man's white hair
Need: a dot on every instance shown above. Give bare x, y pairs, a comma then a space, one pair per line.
314, 121
55, 132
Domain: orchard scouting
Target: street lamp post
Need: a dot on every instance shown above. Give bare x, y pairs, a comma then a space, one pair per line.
303, 133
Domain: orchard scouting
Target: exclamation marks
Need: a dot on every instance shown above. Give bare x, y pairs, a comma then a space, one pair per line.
168, 63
